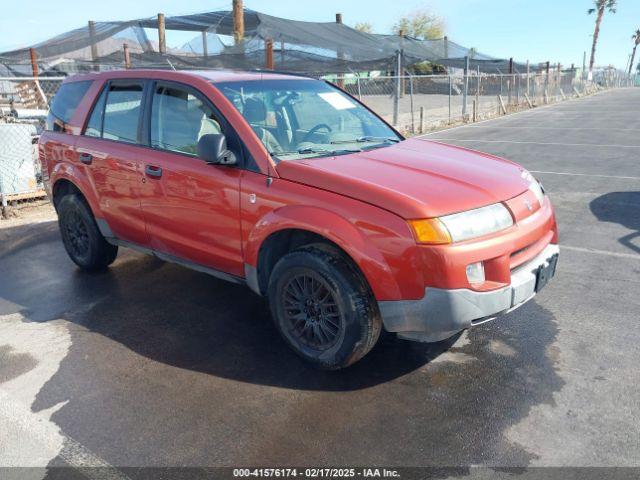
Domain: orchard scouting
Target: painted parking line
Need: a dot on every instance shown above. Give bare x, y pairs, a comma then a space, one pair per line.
527, 127
535, 143
599, 252
36, 432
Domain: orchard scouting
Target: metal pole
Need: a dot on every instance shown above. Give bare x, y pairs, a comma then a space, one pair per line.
205, 47
340, 54
359, 91
413, 125
466, 88
478, 87
450, 88
528, 82
396, 97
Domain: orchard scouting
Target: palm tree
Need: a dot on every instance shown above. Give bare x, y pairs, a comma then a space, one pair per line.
601, 6
636, 42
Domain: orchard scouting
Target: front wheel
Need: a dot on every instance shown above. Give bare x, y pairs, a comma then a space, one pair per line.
80, 235
323, 307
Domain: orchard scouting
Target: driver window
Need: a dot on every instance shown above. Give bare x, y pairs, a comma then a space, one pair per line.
179, 119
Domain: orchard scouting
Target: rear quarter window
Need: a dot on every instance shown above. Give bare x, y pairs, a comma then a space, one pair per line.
64, 105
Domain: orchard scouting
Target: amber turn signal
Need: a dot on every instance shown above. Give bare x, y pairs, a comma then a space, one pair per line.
430, 230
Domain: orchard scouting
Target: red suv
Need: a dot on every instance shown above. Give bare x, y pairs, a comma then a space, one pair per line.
293, 187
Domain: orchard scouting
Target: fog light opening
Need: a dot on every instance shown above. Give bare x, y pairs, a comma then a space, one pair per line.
475, 273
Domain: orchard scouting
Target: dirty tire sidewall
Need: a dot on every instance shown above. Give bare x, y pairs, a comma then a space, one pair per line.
100, 253
360, 319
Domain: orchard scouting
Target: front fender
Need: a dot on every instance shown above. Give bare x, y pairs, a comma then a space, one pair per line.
335, 228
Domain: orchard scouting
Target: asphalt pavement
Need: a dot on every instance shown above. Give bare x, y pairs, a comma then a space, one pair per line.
151, 364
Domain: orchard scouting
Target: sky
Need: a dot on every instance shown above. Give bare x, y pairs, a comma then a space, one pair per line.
554, 30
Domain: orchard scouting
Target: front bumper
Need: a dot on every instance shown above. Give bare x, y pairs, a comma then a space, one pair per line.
442, 313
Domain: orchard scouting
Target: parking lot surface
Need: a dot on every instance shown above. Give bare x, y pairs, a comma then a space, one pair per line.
151, 364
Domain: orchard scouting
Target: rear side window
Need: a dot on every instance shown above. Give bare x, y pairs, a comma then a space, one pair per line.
122, 112
65, 103
94, 126
116, 114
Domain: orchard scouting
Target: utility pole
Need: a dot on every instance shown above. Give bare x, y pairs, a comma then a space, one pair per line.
238, 21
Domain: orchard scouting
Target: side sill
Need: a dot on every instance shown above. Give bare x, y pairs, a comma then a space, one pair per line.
177, 260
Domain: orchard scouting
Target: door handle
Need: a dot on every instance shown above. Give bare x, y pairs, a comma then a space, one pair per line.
86, 158
153, 171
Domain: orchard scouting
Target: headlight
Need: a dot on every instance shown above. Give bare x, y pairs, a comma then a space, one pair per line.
534, 186
462, 226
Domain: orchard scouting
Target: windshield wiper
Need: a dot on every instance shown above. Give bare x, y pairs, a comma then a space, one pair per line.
323, 151
368, 138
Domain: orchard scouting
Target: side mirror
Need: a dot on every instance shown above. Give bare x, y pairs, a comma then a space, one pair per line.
212, 148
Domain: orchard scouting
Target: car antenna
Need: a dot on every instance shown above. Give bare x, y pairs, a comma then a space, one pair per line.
171, 65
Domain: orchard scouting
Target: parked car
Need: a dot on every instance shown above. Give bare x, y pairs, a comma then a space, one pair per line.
296, 189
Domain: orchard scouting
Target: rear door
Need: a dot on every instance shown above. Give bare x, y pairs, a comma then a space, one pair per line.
191, 208
110, 148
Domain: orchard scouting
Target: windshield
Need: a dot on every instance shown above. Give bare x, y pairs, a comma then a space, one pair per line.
306, 118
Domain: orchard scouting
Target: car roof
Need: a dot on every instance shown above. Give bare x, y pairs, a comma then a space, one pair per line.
215, 76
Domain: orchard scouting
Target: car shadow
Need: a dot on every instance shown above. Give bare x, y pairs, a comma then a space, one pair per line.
161, 356
622, 208
182, 318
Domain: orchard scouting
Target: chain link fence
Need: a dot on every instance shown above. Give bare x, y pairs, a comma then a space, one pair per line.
413, 103
23, 109
417, 103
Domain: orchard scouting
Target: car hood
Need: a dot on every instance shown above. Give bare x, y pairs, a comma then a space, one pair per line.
415, 178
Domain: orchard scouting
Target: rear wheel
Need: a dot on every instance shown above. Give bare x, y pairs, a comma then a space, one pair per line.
82, 240
323, 307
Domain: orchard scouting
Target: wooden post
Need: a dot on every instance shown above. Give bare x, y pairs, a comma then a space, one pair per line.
475, 111
559, 76
162, 42
502, 107
92, 39
421, 129
34, 62
526, 95
528, 80
127, 57
340, 53
205, 46
268, 54
238, 21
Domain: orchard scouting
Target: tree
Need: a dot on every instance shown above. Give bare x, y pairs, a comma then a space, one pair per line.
420, 24
365, 27
636, 41
600, 7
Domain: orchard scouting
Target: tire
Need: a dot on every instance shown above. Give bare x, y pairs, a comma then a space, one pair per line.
323, 307
82, 240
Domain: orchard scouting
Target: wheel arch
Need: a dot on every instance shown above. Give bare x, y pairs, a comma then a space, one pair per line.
293, 227
66, 179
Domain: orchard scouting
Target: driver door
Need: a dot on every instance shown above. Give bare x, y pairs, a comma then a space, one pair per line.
190, 207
